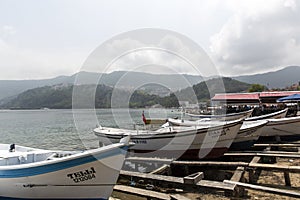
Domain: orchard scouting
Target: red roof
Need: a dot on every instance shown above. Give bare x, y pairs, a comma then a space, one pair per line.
236, 96
278, 94
252, 96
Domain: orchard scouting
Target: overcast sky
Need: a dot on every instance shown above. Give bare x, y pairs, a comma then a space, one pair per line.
44, 39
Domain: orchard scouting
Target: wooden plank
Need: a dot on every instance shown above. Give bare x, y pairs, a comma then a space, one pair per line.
238, 174
240, 154
160, 170
251, 175
172, 179
149, 160
287, 179
277, 145
216, 185
254, 160
141, 192
178, 197
269, 166
276, 167
177, 180
281, 154
285, 192
210, 163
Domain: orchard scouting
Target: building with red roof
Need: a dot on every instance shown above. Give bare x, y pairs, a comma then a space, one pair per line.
250, 98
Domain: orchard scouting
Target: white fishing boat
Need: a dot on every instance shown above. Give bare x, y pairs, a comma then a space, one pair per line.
274, 115
248, 134
224, 117
178, 142
283, 127
246, 137
29, 173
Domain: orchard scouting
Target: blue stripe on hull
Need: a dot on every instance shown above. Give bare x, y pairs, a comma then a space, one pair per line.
47, 168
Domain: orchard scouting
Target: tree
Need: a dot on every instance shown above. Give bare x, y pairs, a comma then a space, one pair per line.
257, 88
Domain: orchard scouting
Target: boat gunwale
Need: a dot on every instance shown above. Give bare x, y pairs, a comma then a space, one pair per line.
243, 113
171, 134
77, 156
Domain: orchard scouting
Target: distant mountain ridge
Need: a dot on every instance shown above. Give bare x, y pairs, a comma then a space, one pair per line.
61, 96
132, 80
129, 80
277, 79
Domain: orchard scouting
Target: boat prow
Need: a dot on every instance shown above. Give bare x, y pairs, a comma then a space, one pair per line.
29, 173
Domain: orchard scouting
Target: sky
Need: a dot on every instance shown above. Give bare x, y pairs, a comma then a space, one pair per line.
45, 39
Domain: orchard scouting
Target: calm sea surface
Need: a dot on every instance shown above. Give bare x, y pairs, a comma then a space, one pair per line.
67, 129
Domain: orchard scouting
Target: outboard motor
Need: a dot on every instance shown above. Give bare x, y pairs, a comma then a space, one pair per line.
12, 148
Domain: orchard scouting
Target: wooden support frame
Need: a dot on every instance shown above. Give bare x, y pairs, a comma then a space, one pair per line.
285, 192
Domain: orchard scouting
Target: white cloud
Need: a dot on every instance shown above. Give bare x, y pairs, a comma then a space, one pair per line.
258, 40
162, 52
25, 63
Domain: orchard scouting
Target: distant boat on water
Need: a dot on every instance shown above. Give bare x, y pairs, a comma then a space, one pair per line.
29, 173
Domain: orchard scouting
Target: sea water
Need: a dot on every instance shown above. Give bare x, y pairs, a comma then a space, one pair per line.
68, 129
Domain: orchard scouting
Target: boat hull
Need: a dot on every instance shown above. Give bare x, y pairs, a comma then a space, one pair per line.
246, 137
276, 115
283, 127
224, 117
248, 134
195, 144
91, 176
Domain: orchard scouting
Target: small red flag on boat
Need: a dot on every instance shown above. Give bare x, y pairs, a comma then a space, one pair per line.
144, 118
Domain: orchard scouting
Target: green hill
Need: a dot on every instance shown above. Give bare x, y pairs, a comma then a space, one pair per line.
60, 97
207, 89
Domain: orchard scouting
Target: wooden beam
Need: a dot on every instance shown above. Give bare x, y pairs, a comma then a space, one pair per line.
282, 154
285, 192
251, 170
240, 154
279, 155
254, 160
277, 145
287, 178
238, 174
149, 160
210, 163
178, 180
160, 170
141, 192
172, 179
178, 197
276, 167
216, 185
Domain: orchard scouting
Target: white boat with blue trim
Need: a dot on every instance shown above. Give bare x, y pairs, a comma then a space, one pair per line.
29, 173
